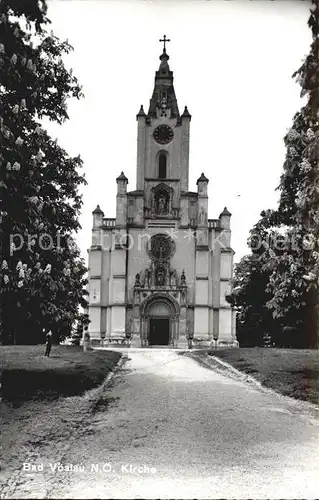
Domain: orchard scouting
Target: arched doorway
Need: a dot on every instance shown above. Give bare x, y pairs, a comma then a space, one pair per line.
159, 321
159, 314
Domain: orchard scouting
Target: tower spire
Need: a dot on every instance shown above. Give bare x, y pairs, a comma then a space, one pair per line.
164, 57
163, 88
165, 40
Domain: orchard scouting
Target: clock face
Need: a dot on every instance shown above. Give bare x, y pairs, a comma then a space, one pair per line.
163, 134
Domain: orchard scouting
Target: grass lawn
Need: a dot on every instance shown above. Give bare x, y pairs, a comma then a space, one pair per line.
293, 372
27, 374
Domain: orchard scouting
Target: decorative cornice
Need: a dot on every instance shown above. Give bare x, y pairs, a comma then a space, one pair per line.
189, 194
135, 225
135, 193
202, 248
156, 179
226, 250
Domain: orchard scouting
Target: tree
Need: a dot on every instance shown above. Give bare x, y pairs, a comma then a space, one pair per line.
281, 274
255, 321
42, 276
250, 301
288, 258
78, 329
294, 281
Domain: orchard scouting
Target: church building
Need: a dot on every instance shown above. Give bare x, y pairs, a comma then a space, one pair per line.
160, 271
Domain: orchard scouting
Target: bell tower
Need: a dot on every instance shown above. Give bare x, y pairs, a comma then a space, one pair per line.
163, 146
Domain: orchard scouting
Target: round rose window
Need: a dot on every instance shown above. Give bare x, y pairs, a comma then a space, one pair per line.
161, 247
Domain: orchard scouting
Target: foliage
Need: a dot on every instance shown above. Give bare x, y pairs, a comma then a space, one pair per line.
42, 276
286, 263
77, 330
293, 282
247, 300
255, 322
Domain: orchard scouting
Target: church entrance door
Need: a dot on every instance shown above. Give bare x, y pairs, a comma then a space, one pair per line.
159, 331
159, 325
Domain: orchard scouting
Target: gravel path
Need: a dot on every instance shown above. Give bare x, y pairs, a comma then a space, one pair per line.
172, 428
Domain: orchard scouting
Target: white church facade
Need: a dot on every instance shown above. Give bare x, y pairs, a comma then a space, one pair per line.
160, 271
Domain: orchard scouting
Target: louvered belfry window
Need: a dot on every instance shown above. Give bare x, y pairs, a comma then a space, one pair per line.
162, 166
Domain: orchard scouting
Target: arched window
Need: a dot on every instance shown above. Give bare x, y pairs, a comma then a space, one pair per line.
162, 165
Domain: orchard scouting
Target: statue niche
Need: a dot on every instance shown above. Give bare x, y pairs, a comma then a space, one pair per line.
147, 278
160, 276
172, 277
161, 200
161, 203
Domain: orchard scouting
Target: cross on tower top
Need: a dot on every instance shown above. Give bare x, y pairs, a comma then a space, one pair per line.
164, 39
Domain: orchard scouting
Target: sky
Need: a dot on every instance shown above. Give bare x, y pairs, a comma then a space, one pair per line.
232, 63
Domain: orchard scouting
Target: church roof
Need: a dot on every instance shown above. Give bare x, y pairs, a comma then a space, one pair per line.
202, 178
164, 84
225, 212
122, 177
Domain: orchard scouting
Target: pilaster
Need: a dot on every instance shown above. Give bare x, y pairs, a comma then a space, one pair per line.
202, 266
95, 303
117, 284
184, 221
202, 210
225, 235
98, 215
225, 334
141, 143
94, 279
95, 324
121, 201
227, 315
139, 212
185, 128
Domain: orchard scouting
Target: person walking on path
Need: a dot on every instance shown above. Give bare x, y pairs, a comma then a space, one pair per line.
86, 340
48, 344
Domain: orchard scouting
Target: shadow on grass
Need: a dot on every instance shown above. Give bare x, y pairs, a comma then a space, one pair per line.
71, 373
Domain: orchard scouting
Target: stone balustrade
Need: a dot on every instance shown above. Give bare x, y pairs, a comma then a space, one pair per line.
213, 223
108, 222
